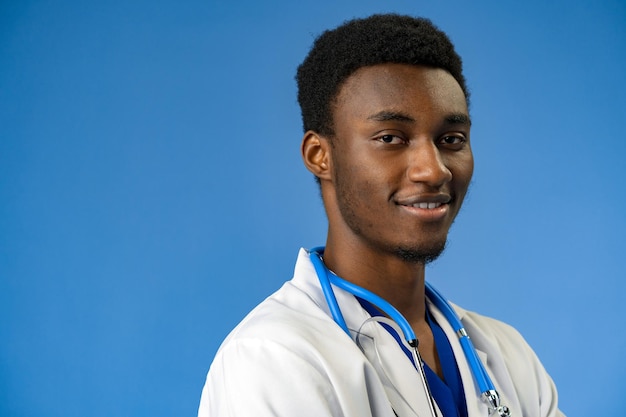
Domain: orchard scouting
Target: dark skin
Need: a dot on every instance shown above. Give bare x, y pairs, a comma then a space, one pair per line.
393, 178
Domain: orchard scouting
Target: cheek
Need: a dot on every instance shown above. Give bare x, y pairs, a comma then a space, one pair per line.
462, 169
355, 183
358, 193
360, 176
352, 170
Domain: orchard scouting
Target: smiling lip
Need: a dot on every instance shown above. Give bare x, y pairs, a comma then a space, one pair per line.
428, 209
426, 205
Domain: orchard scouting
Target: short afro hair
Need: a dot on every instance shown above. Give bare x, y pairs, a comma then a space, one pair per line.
378, 39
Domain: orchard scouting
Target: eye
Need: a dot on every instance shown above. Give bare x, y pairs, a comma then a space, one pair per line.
390, 139
453, 141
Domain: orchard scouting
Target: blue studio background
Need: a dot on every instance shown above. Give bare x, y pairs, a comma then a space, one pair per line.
151, 189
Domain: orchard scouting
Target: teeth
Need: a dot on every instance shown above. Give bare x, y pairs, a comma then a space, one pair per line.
426, 205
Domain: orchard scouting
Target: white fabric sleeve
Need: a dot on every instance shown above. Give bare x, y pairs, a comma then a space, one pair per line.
255, 377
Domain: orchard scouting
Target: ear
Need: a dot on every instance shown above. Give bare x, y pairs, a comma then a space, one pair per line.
316, 154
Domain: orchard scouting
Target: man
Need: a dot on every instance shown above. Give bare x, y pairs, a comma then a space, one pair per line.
387, 136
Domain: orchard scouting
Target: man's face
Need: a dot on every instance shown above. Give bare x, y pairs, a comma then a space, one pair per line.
401, 159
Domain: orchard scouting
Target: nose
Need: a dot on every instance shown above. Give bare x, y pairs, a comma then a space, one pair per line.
426, 165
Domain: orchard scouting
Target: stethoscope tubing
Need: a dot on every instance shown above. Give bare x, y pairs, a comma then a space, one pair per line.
323, 274
330, 278
478, 370
326, 278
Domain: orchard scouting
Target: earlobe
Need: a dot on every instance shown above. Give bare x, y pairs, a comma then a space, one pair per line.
316, 155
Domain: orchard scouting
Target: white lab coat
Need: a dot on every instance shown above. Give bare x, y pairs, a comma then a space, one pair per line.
289, 358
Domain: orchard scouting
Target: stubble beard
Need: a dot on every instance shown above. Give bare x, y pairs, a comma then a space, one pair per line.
421, 255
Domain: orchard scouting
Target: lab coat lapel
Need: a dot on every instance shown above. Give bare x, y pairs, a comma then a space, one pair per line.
489, 355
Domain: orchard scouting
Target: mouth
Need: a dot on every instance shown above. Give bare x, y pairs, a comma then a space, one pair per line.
429, 206
425, 201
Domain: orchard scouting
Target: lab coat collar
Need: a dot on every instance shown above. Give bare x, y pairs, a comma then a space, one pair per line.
397, 374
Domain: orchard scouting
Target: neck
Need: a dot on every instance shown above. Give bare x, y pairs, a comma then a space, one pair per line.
399, 282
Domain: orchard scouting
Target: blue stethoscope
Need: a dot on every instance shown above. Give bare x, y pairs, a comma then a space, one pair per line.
326, 278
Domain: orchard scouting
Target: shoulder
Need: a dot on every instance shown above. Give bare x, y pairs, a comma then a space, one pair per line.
488, 327
285, 317
495, 336
289, 327
294, 317
285, 348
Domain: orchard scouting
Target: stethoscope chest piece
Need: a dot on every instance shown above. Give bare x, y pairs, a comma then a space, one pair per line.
503, 411
492, 399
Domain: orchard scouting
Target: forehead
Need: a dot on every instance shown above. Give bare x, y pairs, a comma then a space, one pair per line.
399, 87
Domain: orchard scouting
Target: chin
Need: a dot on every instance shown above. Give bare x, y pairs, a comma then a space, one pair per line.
420, 254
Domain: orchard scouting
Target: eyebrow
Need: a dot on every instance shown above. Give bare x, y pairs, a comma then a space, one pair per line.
386, 115
458, 119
